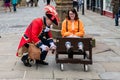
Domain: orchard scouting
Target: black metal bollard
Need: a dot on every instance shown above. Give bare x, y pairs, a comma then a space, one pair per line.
83, 11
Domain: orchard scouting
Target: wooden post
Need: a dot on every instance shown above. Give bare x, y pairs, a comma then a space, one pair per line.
23, 3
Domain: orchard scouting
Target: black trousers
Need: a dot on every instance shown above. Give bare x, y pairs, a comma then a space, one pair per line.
48, 2
75, 5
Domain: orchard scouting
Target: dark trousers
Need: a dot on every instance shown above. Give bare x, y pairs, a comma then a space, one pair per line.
117, 15
44, 53
31, 1
48, 2
117, 19
14, 7
75, 5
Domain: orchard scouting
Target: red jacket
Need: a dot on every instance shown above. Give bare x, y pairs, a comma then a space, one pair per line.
32, 32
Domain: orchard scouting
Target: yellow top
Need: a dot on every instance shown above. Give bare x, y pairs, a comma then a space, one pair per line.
71, 28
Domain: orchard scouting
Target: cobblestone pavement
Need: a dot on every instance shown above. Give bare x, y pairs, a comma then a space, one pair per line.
106, 54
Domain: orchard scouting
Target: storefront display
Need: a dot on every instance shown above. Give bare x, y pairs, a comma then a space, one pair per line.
95, 5
107, 8
100, 6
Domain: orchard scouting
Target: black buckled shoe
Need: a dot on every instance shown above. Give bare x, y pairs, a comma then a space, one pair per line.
27, 64
41, 62
80, 51
25, 60
116, 25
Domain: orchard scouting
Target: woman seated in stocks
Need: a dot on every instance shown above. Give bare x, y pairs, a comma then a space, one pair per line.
39, 33
72, 26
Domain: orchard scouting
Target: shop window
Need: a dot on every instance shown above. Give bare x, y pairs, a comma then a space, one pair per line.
108, 6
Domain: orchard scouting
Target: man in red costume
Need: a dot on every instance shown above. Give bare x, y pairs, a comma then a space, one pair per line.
38, 32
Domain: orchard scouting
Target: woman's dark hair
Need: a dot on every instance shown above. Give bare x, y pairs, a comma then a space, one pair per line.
74, 11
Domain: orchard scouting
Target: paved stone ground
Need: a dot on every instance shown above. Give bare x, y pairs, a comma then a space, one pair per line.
106, 54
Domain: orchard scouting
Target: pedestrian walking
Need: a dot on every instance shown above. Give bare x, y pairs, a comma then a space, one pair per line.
116, 10
79, 4
39, 34
48, 1
75, 4
27, 3
7, 5
34, 3
31, 2
14, 4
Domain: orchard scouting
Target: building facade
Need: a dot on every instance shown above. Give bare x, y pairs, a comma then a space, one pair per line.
95, 5
102, 7
107, 8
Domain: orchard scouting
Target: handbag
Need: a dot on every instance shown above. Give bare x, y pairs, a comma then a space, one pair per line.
34, 52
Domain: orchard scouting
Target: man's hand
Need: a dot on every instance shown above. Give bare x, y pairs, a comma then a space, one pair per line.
52, 47
47, 29
44, 47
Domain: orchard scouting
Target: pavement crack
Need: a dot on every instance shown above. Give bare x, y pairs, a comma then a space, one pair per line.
114, 52
36, 66
14, 66
107, 50
113, 38
24, 75
104, 51
53, 74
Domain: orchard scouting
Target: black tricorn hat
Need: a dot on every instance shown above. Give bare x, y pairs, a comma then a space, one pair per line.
51, 13
52, 18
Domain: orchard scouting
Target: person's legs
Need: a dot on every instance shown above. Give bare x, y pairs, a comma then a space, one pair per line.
44, 53
9, 7
27, 3
5, 7
36, 3
80, 47
80, 5
31, 1
25, 60
14, 7
75, 5
116, 20
42, 58
48, 2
